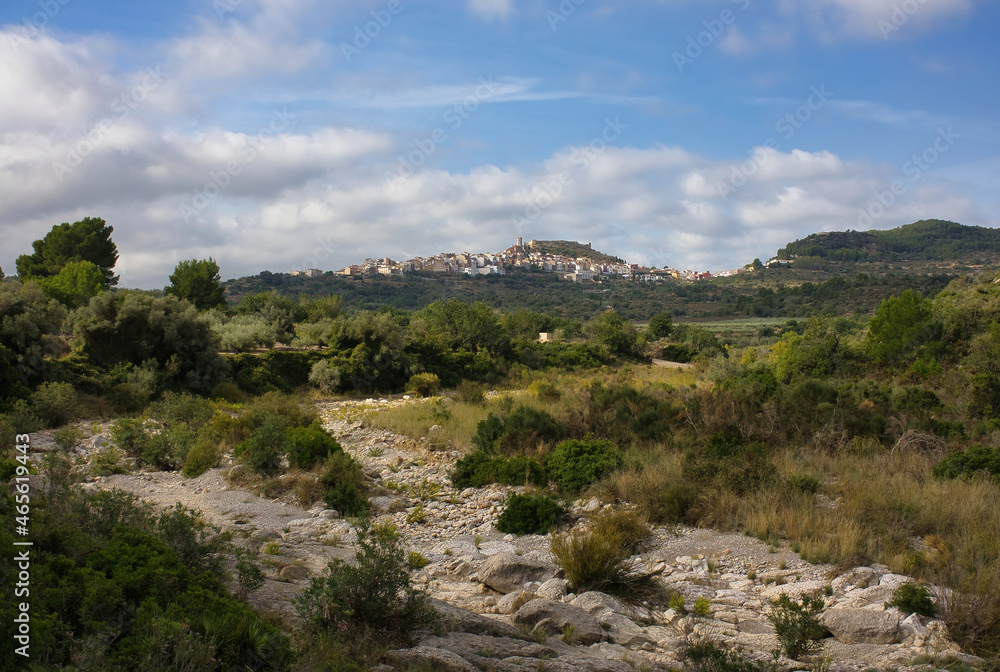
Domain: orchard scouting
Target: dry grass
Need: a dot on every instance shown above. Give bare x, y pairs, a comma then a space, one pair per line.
457, 420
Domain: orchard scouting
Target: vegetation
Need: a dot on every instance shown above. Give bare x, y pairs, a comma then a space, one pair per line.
913, 598
529, 514
796, 625
197, 281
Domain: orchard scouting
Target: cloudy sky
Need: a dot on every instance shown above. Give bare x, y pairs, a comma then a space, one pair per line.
278, 134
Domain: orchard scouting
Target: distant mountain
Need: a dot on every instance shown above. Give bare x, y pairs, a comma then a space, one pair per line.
930, 240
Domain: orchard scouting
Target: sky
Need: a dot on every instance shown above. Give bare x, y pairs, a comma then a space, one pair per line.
285, 134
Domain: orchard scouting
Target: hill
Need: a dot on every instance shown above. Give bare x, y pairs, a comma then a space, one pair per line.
931, 240
572, 249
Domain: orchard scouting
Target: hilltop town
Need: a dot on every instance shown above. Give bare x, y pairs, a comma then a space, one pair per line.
586, 266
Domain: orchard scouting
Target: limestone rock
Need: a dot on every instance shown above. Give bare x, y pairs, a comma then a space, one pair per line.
862, 626
425, 656
293, 572
553, 589
506, 572
586, 629
511, 602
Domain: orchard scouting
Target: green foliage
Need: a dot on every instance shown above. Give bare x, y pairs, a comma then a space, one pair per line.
416, 560
30, 327
86, 240
677, 603
707, 657
703, 607
241, 333
202, 456
136, 589
529, 514
614, 332
478, 469
913, 598
969, 462
310, 444
545, 390
344, 483
131, 326
374, 594
274, 371
263, 449
325, 376
424, 384
55, 404
471, 327
75, 283
197, 281
67, 437
576, 463
519, 431
660, 325
471, 392
901, 325
599, 559
796, 624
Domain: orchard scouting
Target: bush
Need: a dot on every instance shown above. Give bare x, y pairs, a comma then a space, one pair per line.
703, 607
416, 560
265, 447
478, 469
344, 485
129, 435
471, 392
424, 384
599, 560
913, 598
55, 404
374, 594
202, 456
707, 657
522, 430
577, 463
67, 437
623, 524
967, 463
308, 445
325, 376
796, 625
529, 514
545, 390
228, 391
106, 462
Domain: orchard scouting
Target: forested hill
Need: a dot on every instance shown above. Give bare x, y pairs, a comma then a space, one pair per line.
927, 240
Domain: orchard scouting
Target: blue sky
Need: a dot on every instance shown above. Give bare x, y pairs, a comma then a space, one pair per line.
280, 134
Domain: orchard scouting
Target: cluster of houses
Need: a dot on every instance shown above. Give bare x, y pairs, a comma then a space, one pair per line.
518, 256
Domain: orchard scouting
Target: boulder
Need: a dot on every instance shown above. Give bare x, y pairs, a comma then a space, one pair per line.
511, 602
862, 626
586, 629
623, 631
293, 572
427, 657
506, 572
553, 589
457, 619
597, 603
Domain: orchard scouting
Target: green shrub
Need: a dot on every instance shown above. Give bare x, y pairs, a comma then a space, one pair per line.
55, 404
228, 391
703, 607
623, 524
672, 504
265, 447
344, 485
576, 463
416, 560
913, 598
966, 463
529, 514
67, 437
325, 376
519, 432
106, 462
809, 485
478, 469
600, 561
707, 657
677, 603
308, 445
545, 390
374, 594
796, 625
424, 384
129, 435
471, 392
202, 456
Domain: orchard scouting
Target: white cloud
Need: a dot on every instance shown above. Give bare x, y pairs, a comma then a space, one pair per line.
491, 10
868, 19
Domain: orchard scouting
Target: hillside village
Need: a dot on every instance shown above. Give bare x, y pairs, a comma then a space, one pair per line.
520, 256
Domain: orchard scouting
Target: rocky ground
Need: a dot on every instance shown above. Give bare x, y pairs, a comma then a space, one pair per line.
500, 595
